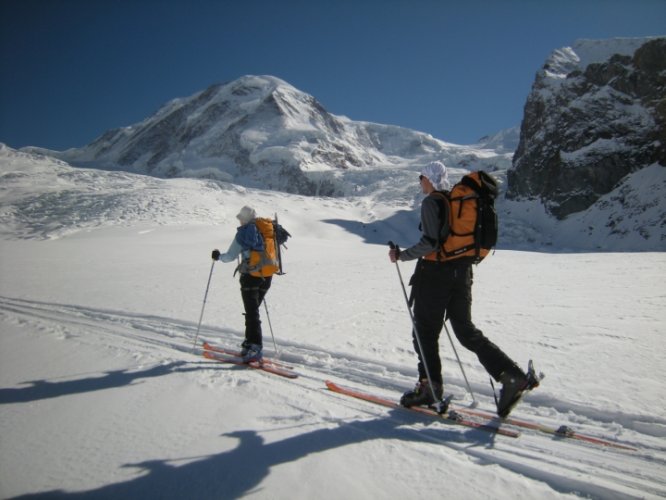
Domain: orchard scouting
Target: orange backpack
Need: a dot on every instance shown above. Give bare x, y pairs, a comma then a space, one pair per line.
264, 263
473, 225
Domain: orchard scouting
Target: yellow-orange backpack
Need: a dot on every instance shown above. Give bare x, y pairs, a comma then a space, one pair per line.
473, 225
269, 261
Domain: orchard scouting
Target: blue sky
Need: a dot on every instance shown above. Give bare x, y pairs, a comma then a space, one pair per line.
73, 69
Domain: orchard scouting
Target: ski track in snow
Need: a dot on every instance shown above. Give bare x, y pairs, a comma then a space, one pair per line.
164, 343
147, 332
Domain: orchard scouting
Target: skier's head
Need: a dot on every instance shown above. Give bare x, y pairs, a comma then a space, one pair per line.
246, 214
436, 173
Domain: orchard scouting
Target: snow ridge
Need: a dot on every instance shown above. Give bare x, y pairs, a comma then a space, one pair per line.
261, 132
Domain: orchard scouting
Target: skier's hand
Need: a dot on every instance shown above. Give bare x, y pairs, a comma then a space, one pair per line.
394, 254
216, 254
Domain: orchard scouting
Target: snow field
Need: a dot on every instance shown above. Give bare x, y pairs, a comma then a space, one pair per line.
101, 395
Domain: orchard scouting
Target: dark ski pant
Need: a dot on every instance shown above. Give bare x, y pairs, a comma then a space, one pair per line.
253, 291
440, 289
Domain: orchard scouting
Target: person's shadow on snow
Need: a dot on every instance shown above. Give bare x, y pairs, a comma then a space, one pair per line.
43, 389
239, 471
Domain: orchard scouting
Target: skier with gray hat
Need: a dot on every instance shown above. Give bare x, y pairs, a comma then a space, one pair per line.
254, 284
442, 289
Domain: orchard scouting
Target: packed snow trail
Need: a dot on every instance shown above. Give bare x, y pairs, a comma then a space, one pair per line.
162, 346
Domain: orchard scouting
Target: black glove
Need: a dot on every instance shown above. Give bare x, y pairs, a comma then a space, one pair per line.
216, 254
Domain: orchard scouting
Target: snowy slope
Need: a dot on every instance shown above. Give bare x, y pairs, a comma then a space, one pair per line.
629, 219
102, 280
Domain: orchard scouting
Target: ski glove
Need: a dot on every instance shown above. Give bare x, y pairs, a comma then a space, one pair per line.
394, 254
216, 254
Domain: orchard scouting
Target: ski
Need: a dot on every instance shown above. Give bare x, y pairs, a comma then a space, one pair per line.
237, 354
257, 365
533, 381
450, 416
561, 432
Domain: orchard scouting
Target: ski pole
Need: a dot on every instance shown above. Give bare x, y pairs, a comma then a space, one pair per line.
475, 403
203, 306
270, 326
415, 331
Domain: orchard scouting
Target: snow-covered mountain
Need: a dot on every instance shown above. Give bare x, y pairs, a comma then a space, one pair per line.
504, 141
259, 131
41, 197
596, 117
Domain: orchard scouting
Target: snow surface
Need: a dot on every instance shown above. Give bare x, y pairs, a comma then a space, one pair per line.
102, 281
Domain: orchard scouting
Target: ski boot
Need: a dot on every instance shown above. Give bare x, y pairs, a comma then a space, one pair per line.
421, 394
514, 384
251, 353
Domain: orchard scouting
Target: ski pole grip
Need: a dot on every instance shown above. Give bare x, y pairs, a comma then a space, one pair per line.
395, 249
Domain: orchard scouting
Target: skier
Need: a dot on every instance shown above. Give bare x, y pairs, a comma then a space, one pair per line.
253, 284
443, 289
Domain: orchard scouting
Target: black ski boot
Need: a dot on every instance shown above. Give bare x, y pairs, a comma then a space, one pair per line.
514, 384
422, 394
251, 352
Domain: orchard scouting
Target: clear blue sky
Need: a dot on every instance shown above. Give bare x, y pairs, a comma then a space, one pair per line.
73, 69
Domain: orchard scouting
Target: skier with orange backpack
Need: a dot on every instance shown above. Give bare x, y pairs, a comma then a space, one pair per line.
257, 243
455, 235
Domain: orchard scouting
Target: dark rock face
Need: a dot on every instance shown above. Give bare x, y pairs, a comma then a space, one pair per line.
587, 127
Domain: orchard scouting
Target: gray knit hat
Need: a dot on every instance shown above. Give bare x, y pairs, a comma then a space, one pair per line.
246, 214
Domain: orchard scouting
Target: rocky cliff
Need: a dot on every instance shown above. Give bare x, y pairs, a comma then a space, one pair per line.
596, 113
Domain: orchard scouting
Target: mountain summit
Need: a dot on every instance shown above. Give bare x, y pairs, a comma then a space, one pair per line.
259, 131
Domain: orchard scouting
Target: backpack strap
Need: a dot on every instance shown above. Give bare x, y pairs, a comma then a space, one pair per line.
442, 199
